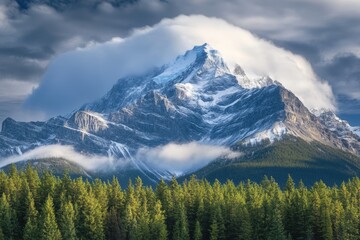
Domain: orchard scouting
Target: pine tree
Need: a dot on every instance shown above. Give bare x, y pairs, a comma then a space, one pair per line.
91, 218
302, 214
275, 228
66, 187
1, 235
214, 231
47, 186
143, 221
31, 230
245, 225
116, 196
67, 221
290, 211
316, 215
217, 227
255, 209
232, 219
48, 227
338, 220
181, 230
6, 217
157, 227
327, 233
33, 180
197, 231
100, 193
164, 194
290, 185
114, 231
132, 207
13, 173
352, 222
22, 204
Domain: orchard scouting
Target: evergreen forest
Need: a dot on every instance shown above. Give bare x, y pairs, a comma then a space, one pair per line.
48, 207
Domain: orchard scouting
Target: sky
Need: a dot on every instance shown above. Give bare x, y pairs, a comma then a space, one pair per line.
41, 39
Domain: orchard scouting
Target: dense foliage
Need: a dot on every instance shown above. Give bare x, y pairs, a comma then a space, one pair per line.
50, 207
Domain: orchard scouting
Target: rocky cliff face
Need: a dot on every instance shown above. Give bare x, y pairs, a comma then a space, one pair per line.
340, 128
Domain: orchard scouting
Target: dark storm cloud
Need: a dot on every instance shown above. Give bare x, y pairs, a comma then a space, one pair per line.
65, 4
310, 52
65, 24
343, 67
349, 106
34, 31
15, 66
349, 109
7, 106
24, 52
343, 73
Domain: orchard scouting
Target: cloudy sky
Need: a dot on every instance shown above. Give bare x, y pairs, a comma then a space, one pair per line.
36, 34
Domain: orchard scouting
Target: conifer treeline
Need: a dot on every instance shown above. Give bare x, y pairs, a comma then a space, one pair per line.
51, 208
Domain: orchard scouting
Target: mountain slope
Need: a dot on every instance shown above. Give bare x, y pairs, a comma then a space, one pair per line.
291, 155
57, 166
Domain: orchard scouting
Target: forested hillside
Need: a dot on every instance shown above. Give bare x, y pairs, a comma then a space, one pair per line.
290, 155
50, 207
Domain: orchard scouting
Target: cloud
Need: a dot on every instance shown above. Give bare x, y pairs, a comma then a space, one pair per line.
13, 88
9, 106
3, 18
183, 158
343, 71
88, 162
12, 95
176, 158
88, 73
35, 31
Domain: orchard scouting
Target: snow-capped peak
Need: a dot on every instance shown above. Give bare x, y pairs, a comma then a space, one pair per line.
331, 119
202, 58
254, 82
213, 60
338, 126
207, 62
201, 77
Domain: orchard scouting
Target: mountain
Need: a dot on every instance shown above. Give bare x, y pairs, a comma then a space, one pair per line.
198, 97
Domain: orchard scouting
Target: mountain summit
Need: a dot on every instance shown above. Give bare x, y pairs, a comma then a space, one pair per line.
195, 98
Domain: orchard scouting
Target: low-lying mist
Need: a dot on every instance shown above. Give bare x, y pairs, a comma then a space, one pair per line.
87, 161
172, 157
183, 158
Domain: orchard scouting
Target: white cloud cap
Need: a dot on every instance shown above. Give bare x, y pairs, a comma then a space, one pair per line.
86, 74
